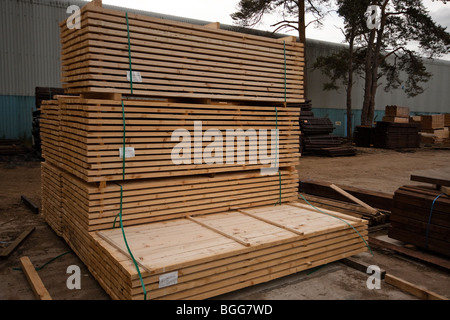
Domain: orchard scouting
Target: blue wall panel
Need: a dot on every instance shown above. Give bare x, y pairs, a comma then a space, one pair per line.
16, 116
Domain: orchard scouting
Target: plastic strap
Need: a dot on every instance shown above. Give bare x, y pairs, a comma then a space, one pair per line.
367, 245
429, 220
128, 248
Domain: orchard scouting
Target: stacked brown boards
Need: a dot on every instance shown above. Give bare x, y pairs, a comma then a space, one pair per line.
396, 114
195, 229
421, 214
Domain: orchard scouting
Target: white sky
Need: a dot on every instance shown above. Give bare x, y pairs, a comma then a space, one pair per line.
220, 10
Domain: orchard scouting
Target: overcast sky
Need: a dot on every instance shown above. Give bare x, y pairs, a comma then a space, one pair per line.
220, 10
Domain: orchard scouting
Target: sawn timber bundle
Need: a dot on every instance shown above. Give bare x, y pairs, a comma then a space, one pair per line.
175, 59
86, 137
197, 228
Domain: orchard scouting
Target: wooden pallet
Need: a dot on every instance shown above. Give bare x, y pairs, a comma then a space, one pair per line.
176, 59
85, 137
218, 253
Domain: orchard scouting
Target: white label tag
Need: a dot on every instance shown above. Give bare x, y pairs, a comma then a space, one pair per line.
129, 152
136, 76
168, 279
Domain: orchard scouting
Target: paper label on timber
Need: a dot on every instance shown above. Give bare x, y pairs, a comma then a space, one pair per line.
129, 152
168, 279
136, 76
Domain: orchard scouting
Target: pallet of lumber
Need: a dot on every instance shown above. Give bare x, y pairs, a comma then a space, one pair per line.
204, 256
52, 196
145, 201
447, 120
390, 135
86, 137
397, 111
168, 58
337, 151
396, 119
421, 216
435, 121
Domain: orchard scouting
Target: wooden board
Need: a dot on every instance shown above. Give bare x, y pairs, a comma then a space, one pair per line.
177, 59
437, 176
34, 280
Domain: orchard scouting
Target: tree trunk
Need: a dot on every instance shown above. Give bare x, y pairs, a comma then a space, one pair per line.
365, 120
302, 38
350, 86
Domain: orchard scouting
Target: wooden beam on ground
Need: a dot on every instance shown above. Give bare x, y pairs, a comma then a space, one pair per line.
8, 250
412, 288
423, 256
30, 204
33, 278
438, 176
354, 199
360, 266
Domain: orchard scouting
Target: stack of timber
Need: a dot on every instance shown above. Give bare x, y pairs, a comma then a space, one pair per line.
10, 147
396, 114
363, 136
421, 216
209, 255
175, 59
198, 227
433, 129
391, 135
92, 133
41, 94
317, 135
51, 189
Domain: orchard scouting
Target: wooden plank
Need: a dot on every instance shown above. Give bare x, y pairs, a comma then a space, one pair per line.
8, 250
354, 199
247, 244
421, 255
413, 289
437, 176
34, 280
30, 204
360, 265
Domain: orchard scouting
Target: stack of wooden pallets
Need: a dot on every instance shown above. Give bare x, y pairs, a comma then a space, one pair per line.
198, 227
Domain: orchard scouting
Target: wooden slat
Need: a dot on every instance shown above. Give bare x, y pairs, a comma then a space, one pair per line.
34, 280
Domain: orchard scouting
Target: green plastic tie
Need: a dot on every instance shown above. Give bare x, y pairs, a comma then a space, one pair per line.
123, 144
367, 245
128, 248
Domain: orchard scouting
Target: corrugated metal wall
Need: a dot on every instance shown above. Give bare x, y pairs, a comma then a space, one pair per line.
30, 57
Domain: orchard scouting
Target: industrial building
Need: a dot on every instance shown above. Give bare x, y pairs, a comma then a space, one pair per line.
30, 58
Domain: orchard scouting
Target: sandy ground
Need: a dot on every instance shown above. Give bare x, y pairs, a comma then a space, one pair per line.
372, 169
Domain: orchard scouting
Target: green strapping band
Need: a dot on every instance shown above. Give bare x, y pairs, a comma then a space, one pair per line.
129, 54
367, 245
128, 248
121, 201
123, 141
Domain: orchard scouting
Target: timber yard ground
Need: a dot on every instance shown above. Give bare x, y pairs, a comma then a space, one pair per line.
371, 169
